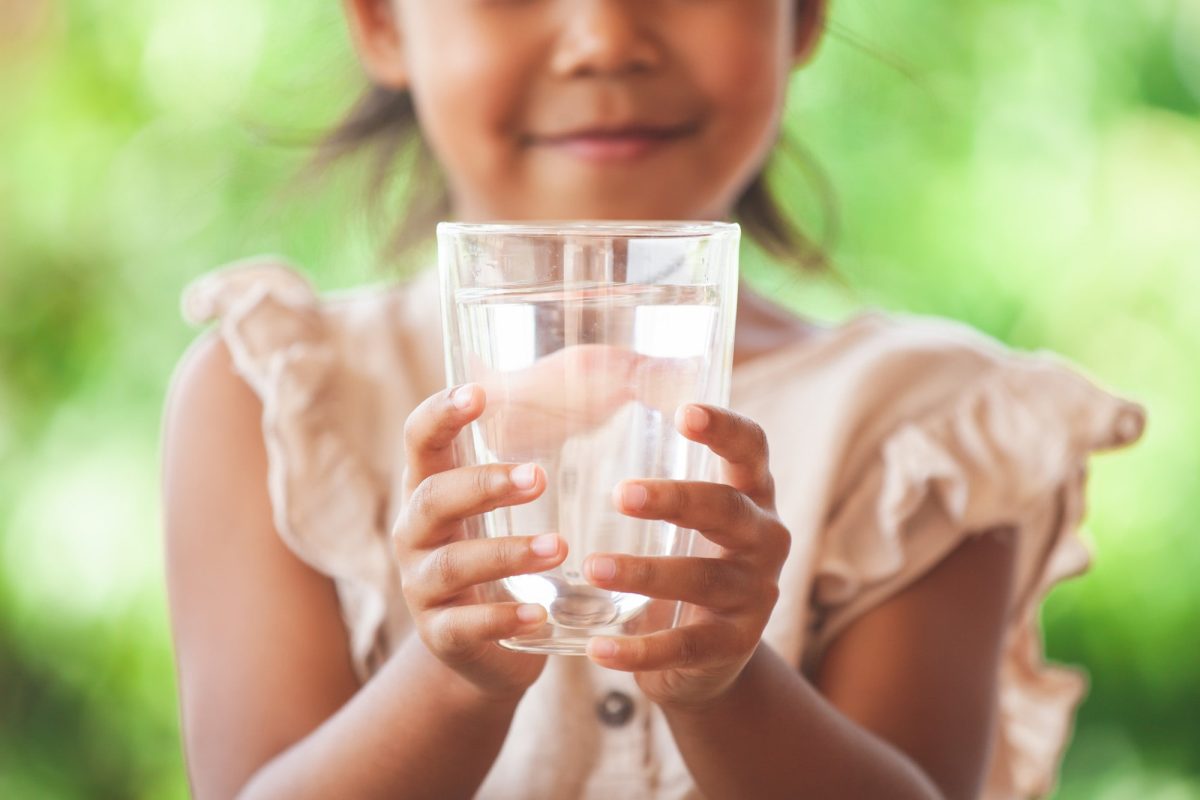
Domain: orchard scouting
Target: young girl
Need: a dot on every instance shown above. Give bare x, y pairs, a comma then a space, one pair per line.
869, 624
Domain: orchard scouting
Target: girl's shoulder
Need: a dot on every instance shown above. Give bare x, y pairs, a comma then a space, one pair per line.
272, 318
956, 372
927, 405
881, 370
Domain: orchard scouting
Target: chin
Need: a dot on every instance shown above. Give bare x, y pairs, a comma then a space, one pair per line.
655, 191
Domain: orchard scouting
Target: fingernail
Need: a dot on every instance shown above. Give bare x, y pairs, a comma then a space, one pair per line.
603, 568
696, 418
604, 648
524, 476
633, 495
545, 545
462, 396
530, 613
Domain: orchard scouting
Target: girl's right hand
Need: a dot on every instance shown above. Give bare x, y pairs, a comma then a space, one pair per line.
442, 570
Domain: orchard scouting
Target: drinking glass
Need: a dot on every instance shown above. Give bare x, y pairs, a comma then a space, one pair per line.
586, 337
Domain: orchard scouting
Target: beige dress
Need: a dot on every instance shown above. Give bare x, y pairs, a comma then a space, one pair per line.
892, 438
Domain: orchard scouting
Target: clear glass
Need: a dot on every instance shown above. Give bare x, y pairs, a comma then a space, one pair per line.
586, 337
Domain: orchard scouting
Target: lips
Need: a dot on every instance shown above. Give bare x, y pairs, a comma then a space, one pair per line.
602, 144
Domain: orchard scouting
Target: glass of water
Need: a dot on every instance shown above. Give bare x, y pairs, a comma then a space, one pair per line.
586, 338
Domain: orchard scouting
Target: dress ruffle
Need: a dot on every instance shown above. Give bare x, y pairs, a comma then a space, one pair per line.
1010, 449
328, 505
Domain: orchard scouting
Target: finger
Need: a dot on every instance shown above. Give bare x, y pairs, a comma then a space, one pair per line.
721, 513
444, 574
738, 440
689, 646
430, 429
447, 497
459, 633
710, 582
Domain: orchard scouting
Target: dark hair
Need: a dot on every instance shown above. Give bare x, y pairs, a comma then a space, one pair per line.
382, 126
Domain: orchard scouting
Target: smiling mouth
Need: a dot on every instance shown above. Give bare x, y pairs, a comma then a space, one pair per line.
607, 145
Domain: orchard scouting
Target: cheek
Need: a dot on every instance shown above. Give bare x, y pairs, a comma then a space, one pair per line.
744, 74
749, 83
467, 82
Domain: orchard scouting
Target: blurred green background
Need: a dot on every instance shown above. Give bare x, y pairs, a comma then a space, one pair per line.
1031, 167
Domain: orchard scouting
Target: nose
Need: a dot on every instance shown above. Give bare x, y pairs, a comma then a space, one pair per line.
605, 38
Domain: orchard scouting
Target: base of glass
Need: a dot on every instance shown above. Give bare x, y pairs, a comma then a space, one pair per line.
560, 640
573, 646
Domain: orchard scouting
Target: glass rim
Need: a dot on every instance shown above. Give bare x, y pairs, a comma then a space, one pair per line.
629, 229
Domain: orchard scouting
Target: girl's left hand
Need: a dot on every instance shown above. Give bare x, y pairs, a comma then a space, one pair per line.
733, 592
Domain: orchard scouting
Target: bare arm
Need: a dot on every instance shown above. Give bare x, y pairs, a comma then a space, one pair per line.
905, 703
270, 703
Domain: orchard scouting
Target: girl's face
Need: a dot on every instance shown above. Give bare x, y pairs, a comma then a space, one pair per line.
591, 109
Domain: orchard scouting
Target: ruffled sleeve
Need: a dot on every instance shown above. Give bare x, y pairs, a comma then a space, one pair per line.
328, 505
1009, 448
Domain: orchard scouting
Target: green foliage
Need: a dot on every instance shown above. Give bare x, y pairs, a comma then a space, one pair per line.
1031, 167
